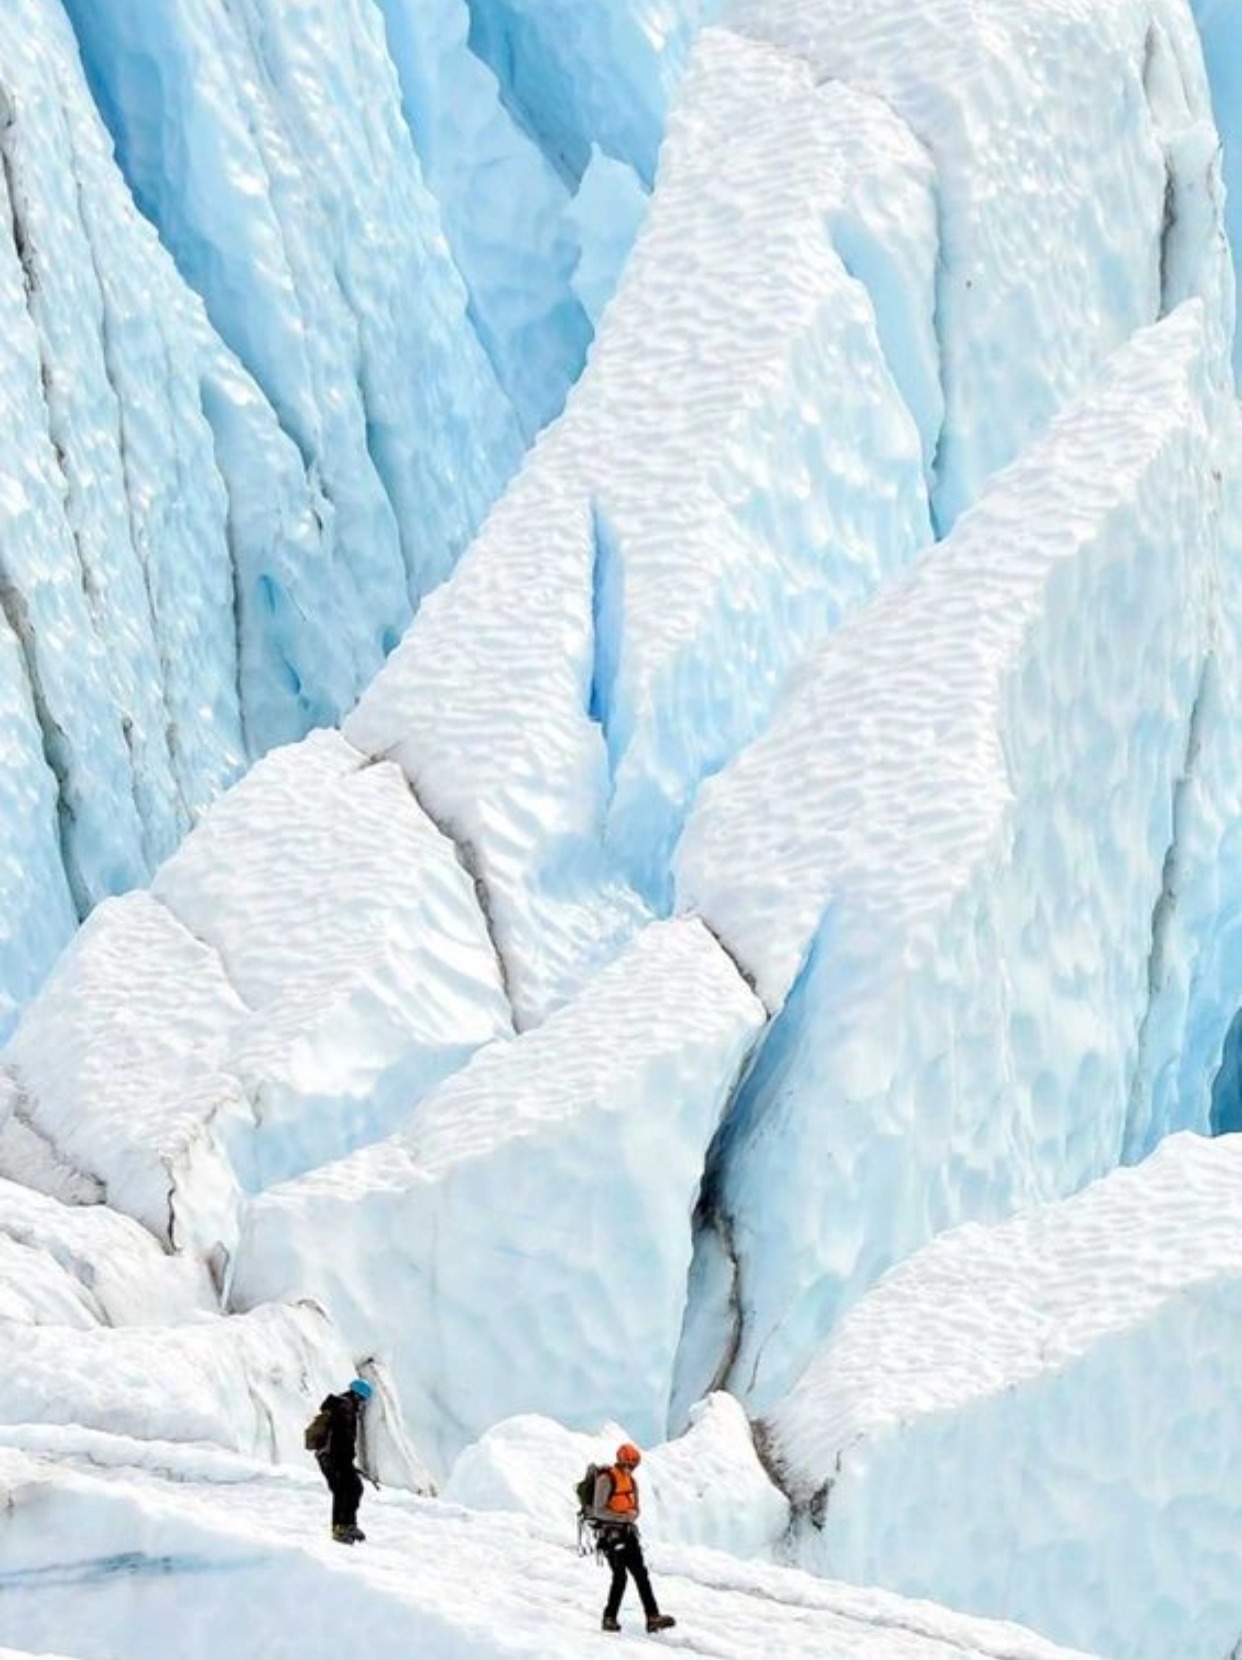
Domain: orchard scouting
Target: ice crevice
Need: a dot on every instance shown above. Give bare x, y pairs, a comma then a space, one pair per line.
13, 605
467, 858
149, 811
1193, 211
11, 598
30, 1155
1140, 1129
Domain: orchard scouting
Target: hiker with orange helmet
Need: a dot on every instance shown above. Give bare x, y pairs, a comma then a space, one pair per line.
615, 1515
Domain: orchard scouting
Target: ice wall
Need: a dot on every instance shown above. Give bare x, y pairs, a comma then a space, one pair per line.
504, 207
1058, 1392
267, 144
692, 524
1220, 28
178, 592
1076, 162
946, 860
522, 1245
580, 71
311, 962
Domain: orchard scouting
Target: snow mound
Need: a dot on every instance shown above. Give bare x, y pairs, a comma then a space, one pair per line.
944, 858
1057, 1388
247, 1383
706, 1488
581, 1143
120, 1065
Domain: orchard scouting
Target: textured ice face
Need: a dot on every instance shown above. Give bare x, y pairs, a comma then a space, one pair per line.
943, 862
1059, 135
692, 524
1091, 1339
537, 1204
251, 1017
1220, 29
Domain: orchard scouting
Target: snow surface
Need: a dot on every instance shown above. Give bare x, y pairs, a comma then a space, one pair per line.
218, 1549
582, 1144
1096, 1336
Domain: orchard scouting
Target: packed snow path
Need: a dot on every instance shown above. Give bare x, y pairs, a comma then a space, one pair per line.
239, 1562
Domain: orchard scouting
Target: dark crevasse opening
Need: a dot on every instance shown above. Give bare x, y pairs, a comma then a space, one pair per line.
1226, 1114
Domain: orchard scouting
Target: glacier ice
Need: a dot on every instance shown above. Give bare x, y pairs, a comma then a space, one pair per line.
1059, 135
350, 931
605, 215
504, 207
941, 862
582, 1143
1220, 28
84, 1265
251, 1017
1057, 1391
663, 559
582, 72
267, 144
971, 829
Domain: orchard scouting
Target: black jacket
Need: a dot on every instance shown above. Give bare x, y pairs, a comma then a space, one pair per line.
341, 1447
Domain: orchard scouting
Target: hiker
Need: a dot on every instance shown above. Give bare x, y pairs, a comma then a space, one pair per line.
333, 1436
614, 1515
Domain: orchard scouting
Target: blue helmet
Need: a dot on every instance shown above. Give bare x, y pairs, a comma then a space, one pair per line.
362, 1388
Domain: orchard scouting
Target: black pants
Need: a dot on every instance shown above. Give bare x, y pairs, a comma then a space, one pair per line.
623, 1552
346, 1485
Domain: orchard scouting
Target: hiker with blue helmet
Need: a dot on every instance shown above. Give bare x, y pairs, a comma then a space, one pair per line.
332, 1435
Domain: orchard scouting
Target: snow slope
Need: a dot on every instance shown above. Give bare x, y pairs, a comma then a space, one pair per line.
221, 1551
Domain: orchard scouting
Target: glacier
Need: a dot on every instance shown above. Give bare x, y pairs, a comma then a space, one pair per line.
619, 693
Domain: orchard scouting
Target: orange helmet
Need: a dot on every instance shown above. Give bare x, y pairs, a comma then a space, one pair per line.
628, 1453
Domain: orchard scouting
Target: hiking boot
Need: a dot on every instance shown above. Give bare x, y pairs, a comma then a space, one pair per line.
609, 1624
356, 1535
343, 1535
660, 1622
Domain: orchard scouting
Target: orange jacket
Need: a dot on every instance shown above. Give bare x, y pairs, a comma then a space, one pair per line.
616, 1495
